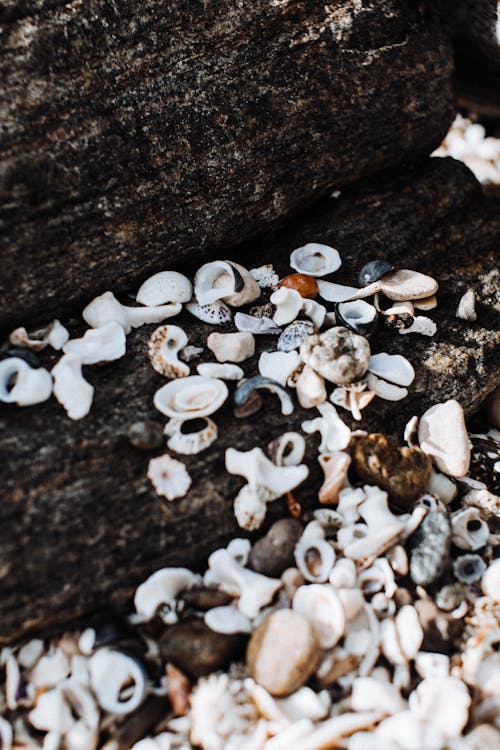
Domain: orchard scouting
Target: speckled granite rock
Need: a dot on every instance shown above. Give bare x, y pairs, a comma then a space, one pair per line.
80, 525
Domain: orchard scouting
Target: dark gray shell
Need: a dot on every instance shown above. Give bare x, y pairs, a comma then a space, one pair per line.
469, 568
430, 548
373, 271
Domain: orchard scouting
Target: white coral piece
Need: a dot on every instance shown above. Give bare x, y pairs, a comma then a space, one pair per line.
335, 434
169, 477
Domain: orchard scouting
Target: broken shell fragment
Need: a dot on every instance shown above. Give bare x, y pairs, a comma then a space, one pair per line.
265, 276
103, 344
259, 326
430, 546
192, 442
338, 355
427, 303
278, 365
23, 385
468, 530
164, 287
288, 304
232, 347
392, 367
189, 352
422, 325
490, 582
469, 568
385, 390
224, 371
169, 477
310, 388
227, 620
246, 388
306, 286
287, 450
163, 349
321, 606
269, 481
335, 434
373, 271
294, 334
466, 309
217, 313
160, 592
335, 466
106, 309
442, 434
337, 292
191, 397
314, 558
227, 281
405, 284
54, 335
353, 397
70, 387
118, 681
359, 316
315, 259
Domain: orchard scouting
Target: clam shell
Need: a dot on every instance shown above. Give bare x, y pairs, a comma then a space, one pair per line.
315, 259
392, 367
163, 287
191, 397
466, 309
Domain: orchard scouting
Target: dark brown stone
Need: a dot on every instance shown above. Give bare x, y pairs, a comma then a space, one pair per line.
204, 599
274, 552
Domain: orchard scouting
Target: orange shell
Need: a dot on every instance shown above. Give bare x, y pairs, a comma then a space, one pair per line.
306, 286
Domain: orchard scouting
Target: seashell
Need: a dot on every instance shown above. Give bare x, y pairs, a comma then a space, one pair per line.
385, 390
490, 582
469, 568
227, 620
227, 281
402, 637
52, 713
427, 303
117, 680
392, 367
249, 508
320, 604
335, 466
310, 387
30, 653
258, 326
306, 286
191, 397
314, 259
314, 558
231, 347
468, 530
71, 389
444, 701
294, 334
163, 349
252, 405
106, 309
224, 372
23, 385
359, 316
343, 575
423, 326
187, 353
398, 559
178, 691
51, 669
466, 309
352, 397
404, 730
98, 345
377, 577
337, 292
265, 276
373, 271
370, 694
216, 314
160, 592
278, 365
429, 664
246, 387
403, 284
164, 287
6, 734
287, 450
334, 732
383, 526
338, 355
193, 442
430, 546
442, 487
442, 434
169, 477
288, 304
262, 311
335, 434
54, 335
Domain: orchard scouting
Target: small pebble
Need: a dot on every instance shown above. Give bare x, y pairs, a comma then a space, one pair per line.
204, 599
306, 286
231, 347
373, 271
338, 354
146, 434
283, 652
430, 548
274, 553
443, 436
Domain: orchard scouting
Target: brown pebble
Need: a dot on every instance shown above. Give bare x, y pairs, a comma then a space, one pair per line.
205, 598
403, 472
306, 286
179, 688
147, 435
283, 652
273, 553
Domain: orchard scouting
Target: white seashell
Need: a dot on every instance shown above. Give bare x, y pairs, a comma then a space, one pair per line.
422, 325
402, 285
268, 480
442, 434
443, 701
258, 326
254, 590
392, 367
429, 664
187, 353
224, 372
337, 292
490, 582
311, 390
103, 344
385, 390
352, 602
71, 389
383, 526
468, 530
466, 309
163, 350
225, 280
106, 309
55, 335
52, 712
51, 669
314, 259
247, 388
334, 732
192, 442
30, 653
320, 604
343, 574
215, 314
161, 590
335, 434
404, 730
335, 466
314, 311
23, 385
164, 287
191, 397
12, 681
169, 477
350, 499
288, 304
227, 620
231, 347
383, 606
354, 397
314, 558
442, 487
278, 365
249, 508
6, 734
114, 674
265, 276
377, 577
294, 334
370, 694
398, 559
426, 303
288, 449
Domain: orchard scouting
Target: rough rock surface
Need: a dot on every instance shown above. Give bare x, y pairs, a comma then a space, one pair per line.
80, 525
135, 132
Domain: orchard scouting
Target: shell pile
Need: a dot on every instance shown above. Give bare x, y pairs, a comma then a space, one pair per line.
369, 623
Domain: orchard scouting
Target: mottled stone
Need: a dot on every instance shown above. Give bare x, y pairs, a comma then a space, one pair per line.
430, 548
338, 355
403, 472
283, 652
274, 552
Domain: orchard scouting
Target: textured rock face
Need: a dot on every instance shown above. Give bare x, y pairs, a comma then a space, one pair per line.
135, 132
80, 525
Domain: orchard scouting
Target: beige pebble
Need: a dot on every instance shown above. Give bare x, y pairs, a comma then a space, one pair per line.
232, 347
443, 436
